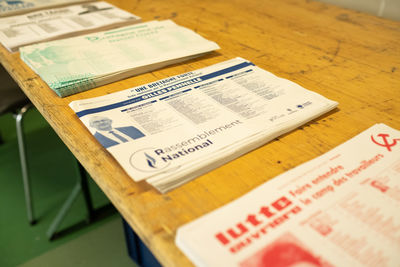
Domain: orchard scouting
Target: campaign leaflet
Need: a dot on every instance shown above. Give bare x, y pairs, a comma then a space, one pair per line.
171, 131
13, 7
57, 23
340, 209
77, 64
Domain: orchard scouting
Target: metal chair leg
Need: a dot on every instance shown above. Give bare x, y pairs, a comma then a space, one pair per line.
24, 165
80, 186
64, 210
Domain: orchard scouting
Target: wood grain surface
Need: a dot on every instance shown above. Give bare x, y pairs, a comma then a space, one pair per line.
349, 57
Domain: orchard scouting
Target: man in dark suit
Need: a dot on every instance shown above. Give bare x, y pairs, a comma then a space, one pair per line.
109, 136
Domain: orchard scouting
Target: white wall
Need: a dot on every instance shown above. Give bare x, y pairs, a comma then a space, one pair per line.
389, 9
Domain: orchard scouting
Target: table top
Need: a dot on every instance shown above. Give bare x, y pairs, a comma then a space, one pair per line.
346, 56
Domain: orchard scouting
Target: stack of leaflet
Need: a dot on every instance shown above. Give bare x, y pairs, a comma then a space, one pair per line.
80, 63
340, 209
50, 24
176, 129
14, 7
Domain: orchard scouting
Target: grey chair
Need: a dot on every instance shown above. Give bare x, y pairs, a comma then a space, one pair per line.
13, 100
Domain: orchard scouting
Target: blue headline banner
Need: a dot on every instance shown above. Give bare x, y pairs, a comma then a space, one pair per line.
164, 90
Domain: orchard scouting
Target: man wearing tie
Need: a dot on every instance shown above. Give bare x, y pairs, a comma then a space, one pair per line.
109, 136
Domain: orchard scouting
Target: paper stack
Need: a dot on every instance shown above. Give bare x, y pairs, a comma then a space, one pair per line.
80, 63
51, 24
340, 209
14, 7
173, 130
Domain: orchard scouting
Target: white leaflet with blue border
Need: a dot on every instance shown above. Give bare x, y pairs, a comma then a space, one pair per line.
14, 7
57, 23
196, 121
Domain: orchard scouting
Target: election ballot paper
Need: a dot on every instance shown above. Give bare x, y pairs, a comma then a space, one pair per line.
50, 24
340, 209
14, 7
80, 63
173, 130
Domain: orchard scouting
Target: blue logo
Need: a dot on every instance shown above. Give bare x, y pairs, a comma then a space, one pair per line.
150, 160
146, 160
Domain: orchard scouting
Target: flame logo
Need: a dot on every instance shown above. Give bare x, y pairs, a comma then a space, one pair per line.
150, 161
145, 160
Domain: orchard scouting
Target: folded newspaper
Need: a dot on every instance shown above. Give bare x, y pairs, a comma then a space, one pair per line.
14, 7
50, 24
173, 130
340, 209
80, 63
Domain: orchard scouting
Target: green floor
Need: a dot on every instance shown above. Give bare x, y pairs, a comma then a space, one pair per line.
52, 169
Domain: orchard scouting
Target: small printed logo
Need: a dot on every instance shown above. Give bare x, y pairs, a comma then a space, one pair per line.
291, 110
303, 105
150, 160
92, 38
385, 141
146, 160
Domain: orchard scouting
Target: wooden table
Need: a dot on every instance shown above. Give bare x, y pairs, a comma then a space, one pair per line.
346, 56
